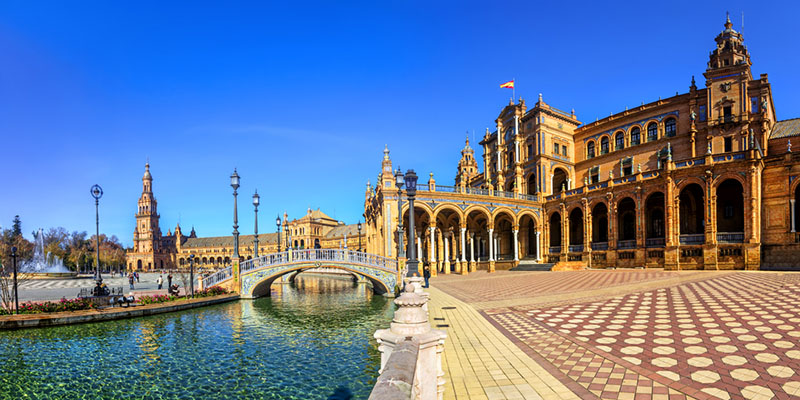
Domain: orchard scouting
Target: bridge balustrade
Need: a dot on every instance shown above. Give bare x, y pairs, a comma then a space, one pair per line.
337, 255
217, 277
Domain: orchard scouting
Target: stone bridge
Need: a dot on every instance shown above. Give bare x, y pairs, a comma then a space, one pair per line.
252, 278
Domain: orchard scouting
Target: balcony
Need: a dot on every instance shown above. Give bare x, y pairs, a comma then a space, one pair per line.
730, 237
599, 246
555, 249
626, 244
727, 119
655, 242
693, 239
576, 248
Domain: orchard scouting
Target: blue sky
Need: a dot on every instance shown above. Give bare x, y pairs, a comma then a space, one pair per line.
301, 98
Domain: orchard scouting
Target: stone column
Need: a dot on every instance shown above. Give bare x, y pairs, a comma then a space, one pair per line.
440, 249
432, 251
496, 246
491, 244
463, 244
447, 252
472, 252
538, 257
516, 245
791, 213
419, 245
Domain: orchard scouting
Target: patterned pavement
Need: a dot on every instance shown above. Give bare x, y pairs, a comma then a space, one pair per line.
726, 336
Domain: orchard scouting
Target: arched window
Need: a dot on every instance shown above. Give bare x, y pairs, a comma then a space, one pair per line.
620, 141
635, 136
652, 132
604, 145
590, 149
670, 128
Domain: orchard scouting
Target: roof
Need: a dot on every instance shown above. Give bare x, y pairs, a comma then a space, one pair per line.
785, 128
341, 230
220, 241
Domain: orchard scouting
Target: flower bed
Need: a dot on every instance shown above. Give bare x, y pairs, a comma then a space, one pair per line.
51, 306
155, 299
212, 291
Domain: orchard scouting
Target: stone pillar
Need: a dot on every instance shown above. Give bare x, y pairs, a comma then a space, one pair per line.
491, 244
432, 251
538, 256
791, 213
447, 252
516, 245
463, 244
410, 322
419, 245
472, 252
440, 249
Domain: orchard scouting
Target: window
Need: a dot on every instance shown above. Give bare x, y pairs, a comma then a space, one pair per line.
727, 113
604, 145
702, 113
564, 150
728, 144
754, 105
627, 166
530, 151
620, 141
590, 150
635, 136
670, 128
652, 132
555, 148
594, 174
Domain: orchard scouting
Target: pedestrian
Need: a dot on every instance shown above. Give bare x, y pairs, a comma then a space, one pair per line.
426, 272
130, 280
136, 274
159, 281
169, 280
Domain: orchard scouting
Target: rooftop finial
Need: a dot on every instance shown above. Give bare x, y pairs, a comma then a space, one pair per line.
540, 97
386, 152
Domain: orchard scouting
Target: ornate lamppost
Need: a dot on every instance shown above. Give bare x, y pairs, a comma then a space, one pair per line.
235, 185
359, 237
278, 224
14, 263
398, 180
411, 191
97, 193
191, 273
256, 201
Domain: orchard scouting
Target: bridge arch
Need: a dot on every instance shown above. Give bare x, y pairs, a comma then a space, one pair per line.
259, 286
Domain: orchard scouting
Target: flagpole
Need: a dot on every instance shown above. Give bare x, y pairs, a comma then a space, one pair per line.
514, 90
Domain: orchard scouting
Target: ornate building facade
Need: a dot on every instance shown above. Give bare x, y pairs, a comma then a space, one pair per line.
702, 180
154, 251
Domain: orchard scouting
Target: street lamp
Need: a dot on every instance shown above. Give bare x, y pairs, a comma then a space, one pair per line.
411, 191
97, 193
235, 185
14, 263
256, 200
191, 273
359, 236
278, 223
399, 182
286, 231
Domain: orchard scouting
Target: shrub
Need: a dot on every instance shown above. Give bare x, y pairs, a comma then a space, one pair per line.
155, 299
212, 291
59, 306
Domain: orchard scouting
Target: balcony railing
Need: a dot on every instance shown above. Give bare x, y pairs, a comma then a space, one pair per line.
724, 119
576, 248
555, 249
481, 192
730, 237
599, 246
626, 244
693, 239
655, 242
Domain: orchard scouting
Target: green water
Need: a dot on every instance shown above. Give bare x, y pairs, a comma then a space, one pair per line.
302, 343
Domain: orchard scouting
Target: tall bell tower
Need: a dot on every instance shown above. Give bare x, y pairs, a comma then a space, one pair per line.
727, 76
147, 234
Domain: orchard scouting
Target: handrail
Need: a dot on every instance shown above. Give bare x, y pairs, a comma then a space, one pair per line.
217, 277
335, 255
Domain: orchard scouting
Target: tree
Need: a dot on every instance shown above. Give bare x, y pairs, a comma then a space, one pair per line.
24, 252
16, 227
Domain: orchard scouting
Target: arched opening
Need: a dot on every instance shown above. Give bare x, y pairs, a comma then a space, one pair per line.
555, 233
316, 244
670, 127
730, 212
559, 180
619, 141
227, 260
636, 135
600, 227
528, 232
654, 211
295, 244
504, 236
604, 145
652, 132
262, 288
302, 244
576, 230
796, 209
590, 149
139, 265
626, 221
478, 240
532, 184
692, 217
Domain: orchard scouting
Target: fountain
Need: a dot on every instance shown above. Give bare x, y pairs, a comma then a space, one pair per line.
44, 266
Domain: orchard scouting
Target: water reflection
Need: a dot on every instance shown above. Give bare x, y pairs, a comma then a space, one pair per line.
308, 339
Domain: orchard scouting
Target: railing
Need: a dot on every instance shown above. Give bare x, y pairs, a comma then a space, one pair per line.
599, 246
217, 277
396, 382
655, 242
477, 191
508, 195
555, 249
730, 237
626, 244
482, 192
693, 239
575, 248
448, 189
727, 119
336, 255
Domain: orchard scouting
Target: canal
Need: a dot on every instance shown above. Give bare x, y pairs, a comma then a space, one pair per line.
304, 342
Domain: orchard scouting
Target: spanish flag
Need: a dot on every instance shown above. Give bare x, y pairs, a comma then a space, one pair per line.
509, 84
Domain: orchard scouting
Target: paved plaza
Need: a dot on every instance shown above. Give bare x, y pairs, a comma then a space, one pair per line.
622, 334
54, 289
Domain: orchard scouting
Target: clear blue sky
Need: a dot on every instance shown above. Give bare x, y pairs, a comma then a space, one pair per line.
301, 98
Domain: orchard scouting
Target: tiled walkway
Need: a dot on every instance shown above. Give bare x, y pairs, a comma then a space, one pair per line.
707, 336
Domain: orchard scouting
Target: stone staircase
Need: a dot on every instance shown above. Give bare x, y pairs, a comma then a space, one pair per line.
781, 258
532, 265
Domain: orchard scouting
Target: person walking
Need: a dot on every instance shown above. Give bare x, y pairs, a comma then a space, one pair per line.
169, 280
136, 275
130, 280
426, 272
160, 282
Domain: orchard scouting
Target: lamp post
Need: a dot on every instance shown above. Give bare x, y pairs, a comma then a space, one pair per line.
97, 193
191, 273
398, 180
278, 223
14, 263
286, 231
411, 191
359, 236
256, 201
235, 185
